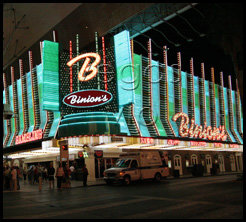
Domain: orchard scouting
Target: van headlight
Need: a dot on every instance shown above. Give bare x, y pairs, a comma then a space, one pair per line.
121, 173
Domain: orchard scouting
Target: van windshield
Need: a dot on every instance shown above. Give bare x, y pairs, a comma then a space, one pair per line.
122, 163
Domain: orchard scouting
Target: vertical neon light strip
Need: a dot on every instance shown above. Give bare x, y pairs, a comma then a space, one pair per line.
14, 104
193, 93
204, 96
223, 102
180, 82
231, 116
32, 83
71, 69
104, 65
166, 82
150, 82
77, 50
6, 102
22, 97
132, 110
239, 113
98, 75
213, 121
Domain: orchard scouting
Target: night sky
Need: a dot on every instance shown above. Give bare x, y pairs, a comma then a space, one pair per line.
202, 49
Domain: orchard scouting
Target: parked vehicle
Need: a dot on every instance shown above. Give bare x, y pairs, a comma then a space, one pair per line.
132, 166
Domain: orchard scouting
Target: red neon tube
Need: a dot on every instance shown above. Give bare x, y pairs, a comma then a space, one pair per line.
71, 69
104, 65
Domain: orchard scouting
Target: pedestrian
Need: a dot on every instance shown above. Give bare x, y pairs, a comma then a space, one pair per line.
24, 174
13, 178
67, 173
30, 174
59, 176
40, 171
72, 172
44, 174
35, 175
51, 172
7, 177
84, 174
18, 177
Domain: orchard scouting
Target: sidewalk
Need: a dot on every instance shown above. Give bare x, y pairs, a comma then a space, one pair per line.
26, 187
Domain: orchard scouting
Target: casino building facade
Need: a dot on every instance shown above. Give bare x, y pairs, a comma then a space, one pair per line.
105, 102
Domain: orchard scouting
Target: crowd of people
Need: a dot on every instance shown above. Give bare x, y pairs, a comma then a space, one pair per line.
13, 175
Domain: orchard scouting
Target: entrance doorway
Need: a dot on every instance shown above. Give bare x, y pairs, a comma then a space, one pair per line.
233, 164
102, 164
194, 159
239, 162
178, 164
221, 163
208, 163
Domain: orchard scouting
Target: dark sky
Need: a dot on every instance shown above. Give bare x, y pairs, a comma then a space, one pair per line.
201, 48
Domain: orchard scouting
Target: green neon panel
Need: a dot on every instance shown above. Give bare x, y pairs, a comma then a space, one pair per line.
171, 100
138, 97
43, 116
55, 124
184, 92
4, 121
227, 115
12, 120
29, 102
50, 72
208, 117
197, 100
217, 105
20, 107
123, 63
241, 115
156, 98
234, 115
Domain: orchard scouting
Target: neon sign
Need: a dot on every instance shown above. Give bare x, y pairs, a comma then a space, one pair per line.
195, 143
87, 98
198, 131
173, 142
146, 140
28, 137
86, 67
233, 145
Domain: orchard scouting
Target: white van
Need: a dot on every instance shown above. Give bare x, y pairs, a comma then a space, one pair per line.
140, 165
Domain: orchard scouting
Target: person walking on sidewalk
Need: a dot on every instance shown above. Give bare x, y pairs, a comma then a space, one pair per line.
59, 176
51, 172
24, 174
14, 178
84, 174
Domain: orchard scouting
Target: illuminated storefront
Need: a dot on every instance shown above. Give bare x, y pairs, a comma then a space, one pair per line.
111, 100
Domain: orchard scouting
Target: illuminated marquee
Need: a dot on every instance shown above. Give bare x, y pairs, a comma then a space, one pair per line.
28, 137
198, 131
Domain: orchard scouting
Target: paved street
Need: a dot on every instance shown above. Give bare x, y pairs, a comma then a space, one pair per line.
212, 197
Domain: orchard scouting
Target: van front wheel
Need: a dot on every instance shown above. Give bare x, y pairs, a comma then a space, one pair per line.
126, 180
157, 177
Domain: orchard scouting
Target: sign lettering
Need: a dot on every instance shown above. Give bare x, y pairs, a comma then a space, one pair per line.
28, 137
198, 131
